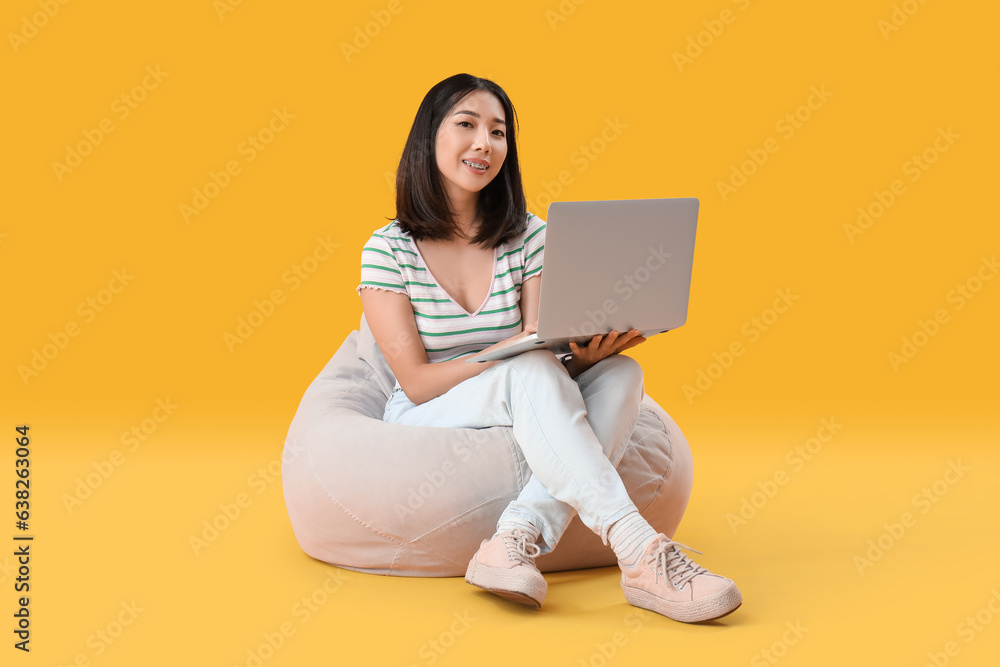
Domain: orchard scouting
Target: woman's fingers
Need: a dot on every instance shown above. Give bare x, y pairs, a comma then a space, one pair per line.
602, 346
632, 342
629, 339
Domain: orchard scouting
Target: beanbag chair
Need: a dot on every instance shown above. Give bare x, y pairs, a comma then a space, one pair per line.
382, 498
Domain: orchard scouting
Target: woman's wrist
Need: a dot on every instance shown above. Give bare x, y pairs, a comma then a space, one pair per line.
574, 366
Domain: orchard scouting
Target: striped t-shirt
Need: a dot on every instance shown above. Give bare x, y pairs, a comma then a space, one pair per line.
391, 261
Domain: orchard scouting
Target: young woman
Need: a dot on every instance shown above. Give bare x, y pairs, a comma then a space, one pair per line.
459, 270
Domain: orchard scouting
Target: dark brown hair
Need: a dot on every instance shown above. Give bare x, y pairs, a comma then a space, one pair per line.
421, 203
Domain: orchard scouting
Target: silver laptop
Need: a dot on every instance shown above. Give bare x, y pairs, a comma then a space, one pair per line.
610, 266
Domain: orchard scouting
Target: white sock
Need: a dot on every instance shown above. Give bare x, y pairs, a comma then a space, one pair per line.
512, 522
629, 536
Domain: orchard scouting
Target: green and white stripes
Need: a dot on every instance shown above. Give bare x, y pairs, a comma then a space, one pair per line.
391, 261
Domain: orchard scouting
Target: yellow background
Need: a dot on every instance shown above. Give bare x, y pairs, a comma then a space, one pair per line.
569, 69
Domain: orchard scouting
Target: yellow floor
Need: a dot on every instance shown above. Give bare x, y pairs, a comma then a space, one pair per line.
120, 578
161, 237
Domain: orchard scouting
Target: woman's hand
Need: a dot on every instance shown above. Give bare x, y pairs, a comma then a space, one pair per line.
601, 347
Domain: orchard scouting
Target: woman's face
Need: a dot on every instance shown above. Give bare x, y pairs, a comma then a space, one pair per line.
472, 136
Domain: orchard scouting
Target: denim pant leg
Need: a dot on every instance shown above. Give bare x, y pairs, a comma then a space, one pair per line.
533, 394
612, 392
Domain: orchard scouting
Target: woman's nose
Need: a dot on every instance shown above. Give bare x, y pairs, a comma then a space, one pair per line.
483, 141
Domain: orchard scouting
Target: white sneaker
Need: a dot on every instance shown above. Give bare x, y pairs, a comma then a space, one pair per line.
665, 580
505, 565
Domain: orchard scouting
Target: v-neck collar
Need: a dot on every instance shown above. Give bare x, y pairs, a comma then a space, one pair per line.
489, 292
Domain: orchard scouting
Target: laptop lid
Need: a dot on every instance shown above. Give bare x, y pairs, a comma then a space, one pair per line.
616, 265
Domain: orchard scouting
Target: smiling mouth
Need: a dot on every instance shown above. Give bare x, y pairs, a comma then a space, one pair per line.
476, 165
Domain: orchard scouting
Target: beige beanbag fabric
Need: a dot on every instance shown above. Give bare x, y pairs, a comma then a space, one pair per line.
376, 497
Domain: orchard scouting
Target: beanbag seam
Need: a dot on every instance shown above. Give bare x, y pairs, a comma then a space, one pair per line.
453, 520
346, 511
670, 466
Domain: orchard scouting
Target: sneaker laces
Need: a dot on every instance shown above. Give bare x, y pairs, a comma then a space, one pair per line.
671, 563
520, 547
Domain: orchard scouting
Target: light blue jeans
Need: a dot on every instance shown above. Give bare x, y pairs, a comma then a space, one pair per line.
572, 433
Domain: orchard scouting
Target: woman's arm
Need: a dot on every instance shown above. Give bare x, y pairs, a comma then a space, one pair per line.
582, 358
390, 317
531, 289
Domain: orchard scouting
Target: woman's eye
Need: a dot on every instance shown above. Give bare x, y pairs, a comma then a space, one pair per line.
498, 133
465, 122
